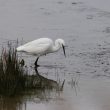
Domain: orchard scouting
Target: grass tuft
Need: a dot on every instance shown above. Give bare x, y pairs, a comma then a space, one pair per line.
12, 74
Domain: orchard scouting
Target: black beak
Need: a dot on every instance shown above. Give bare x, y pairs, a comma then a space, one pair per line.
64, 50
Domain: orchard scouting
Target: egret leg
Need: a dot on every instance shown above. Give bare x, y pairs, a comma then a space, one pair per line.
36, 62
37, 73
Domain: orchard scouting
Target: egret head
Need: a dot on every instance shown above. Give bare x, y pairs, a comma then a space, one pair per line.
62, 44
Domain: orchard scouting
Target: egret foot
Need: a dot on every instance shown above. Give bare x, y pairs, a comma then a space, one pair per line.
36, 69
37, 65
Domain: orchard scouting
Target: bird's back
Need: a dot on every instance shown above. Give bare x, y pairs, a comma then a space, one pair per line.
37, 47
38, 41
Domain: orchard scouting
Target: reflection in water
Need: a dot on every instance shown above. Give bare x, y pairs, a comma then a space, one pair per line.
50, 90
74, 83
48, 83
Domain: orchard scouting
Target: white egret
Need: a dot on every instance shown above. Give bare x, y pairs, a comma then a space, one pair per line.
41, 47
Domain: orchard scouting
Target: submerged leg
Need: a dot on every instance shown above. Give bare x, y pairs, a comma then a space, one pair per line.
36, 62
37, 73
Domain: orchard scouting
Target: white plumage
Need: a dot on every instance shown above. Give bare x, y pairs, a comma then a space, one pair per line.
41, 47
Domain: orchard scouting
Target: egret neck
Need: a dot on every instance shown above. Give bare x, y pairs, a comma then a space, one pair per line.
56, 47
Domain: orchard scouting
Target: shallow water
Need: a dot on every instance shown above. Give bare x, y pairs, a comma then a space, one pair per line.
84, 25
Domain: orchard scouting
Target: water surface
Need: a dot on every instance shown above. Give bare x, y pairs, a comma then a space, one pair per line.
84, 25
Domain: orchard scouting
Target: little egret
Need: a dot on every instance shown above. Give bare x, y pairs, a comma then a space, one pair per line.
41, 47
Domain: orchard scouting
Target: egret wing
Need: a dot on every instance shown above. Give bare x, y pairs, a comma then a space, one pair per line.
38, 49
